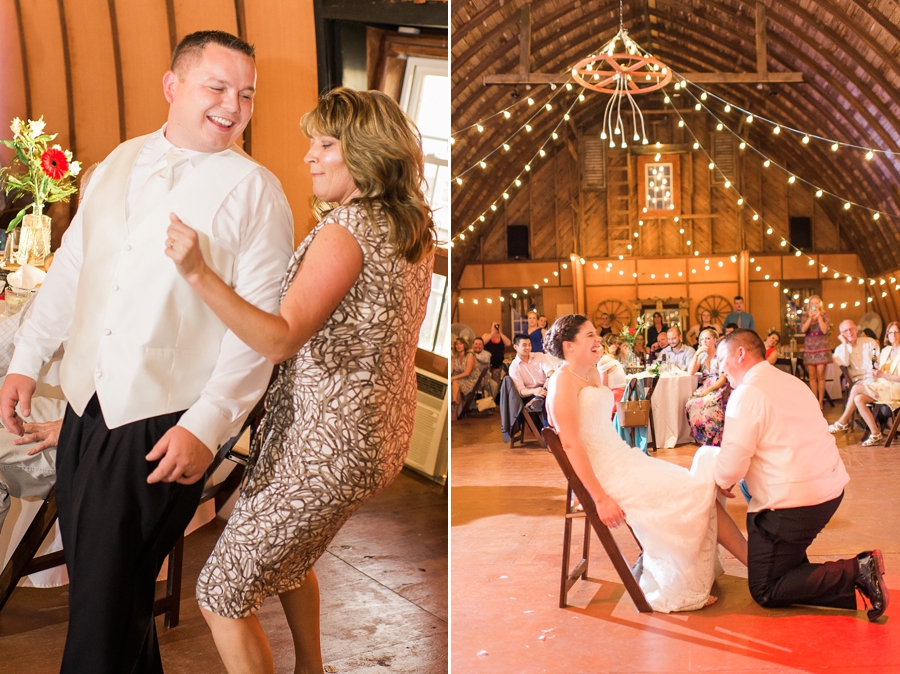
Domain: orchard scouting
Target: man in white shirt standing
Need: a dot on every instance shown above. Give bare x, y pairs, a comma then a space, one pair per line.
155, 382
677, 353
777, 440
855, 352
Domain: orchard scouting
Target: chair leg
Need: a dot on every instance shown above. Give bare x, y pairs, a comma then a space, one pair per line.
25, 552
533, 427
893, 432
651, 432
568, 578
170, 604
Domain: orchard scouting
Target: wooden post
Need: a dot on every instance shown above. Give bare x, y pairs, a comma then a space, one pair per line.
744, 279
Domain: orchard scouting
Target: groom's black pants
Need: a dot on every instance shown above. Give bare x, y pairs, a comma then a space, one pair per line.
779, 572
116, 531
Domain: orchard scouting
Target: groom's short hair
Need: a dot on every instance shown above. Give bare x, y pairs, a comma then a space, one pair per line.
748, 339
191, 46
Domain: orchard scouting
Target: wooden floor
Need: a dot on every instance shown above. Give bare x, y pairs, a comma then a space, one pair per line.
506, 543
384, 598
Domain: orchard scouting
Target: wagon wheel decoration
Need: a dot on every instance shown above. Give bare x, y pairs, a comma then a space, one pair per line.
717, 306
618, 311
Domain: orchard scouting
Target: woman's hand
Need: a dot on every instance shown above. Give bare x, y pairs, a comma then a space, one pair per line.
45, 434
183, 246
609, 512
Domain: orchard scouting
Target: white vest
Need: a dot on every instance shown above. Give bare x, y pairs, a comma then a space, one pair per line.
141, 338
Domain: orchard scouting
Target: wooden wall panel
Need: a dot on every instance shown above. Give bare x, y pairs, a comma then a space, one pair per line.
145, 54
191, 16
826, 234
774, 207
479, 316
593, 228
765, 305
566, 202
284, 35
751, 185
94, 93
12, 75
46, 66
700, 228
557, 300
543, 212
472, 276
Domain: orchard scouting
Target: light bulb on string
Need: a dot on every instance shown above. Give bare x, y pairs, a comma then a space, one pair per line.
834, 147
805, 140
818, 193
742, 145
870, 154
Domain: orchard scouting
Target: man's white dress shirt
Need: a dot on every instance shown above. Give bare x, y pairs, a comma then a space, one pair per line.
530, 377
253, 227
681, 358
857, 359
777, 439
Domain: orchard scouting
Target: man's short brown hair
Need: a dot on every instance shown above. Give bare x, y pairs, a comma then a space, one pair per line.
748, 339
191, 46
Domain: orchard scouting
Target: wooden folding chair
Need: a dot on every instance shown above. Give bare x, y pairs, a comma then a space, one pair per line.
575, 486
889, 439
467, 401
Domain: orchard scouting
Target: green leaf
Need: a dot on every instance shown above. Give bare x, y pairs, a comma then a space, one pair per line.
21, 156
8, 143
16, 220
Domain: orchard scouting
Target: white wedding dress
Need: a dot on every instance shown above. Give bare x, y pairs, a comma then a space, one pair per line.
670, 509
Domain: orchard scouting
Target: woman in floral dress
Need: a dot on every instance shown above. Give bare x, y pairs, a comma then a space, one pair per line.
340, 412
705, 410
816, 345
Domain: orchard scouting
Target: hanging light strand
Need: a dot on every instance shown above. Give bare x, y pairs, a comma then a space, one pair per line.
875, 213
756, 216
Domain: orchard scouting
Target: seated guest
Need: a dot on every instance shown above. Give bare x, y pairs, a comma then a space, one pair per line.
855, 352
483, 361
529, 371
729, 328
676, 352
662, 341
612, 374
605, 324
465, 371
657, 328
706, 321
705, 409
536, 332
639, 349
28, 470
882, 386
772, 341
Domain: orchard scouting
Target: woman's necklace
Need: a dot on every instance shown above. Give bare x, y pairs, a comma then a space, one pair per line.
584, 379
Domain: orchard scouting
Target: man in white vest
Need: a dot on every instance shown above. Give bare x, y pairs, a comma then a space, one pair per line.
155, 382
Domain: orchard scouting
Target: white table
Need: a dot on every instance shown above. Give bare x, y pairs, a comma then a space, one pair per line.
672, 391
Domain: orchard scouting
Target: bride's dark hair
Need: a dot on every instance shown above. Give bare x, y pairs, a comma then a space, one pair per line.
564, 329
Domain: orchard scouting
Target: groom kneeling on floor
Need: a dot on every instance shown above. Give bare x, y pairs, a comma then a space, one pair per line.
777, 439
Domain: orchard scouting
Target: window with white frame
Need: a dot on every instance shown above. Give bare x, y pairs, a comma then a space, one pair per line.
658, 187
426, 99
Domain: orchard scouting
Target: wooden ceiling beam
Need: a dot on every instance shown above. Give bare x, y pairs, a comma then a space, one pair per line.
762, 66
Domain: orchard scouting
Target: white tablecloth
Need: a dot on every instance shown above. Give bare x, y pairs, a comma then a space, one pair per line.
670, 424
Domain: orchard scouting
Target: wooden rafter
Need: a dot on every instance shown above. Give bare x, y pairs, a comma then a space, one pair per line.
761, 76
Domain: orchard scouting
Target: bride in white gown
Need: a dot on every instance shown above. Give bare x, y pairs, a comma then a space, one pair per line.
672, 511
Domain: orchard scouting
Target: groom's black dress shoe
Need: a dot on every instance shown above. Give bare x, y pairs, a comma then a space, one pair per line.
871, 584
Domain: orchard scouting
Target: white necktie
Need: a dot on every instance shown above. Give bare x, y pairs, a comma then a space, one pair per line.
158, 185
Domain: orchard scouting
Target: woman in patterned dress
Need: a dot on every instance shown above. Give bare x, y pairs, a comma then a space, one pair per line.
464, 372
816, 345
340, 412
705, 409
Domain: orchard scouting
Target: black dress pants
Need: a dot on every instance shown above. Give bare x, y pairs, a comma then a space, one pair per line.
779, 572
116, 531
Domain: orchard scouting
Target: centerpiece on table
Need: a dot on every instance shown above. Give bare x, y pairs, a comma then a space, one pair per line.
43, 174
629, 335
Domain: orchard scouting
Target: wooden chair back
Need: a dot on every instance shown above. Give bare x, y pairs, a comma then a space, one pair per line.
603, 533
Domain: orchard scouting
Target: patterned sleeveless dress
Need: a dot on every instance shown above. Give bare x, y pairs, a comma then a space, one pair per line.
337, 428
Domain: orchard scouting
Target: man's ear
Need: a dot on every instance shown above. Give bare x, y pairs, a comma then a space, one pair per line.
169, 81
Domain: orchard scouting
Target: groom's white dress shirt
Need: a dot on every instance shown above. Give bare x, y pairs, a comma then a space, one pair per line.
137, 304
777, 439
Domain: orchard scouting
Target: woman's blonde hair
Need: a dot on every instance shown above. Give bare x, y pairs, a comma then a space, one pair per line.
382, 149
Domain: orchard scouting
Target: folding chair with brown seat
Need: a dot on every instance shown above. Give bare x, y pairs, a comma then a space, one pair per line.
575, 486
469, 398
23, 561
524, 420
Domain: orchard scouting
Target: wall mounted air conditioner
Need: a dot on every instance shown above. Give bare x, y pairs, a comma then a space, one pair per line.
428, 450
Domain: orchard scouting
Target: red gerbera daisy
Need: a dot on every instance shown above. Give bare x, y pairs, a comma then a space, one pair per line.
54, 163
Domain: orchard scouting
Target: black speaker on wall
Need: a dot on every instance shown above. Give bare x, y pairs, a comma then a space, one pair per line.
517, 242
801, 233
